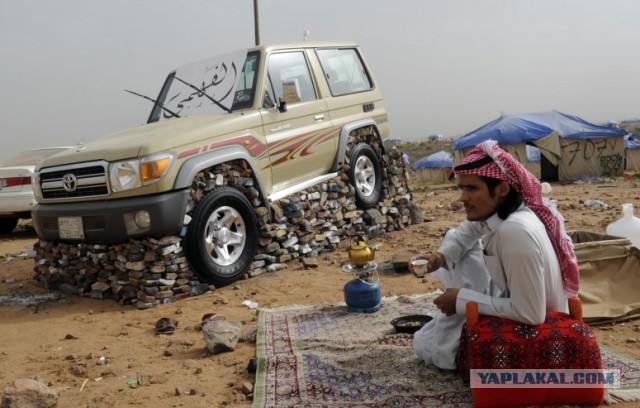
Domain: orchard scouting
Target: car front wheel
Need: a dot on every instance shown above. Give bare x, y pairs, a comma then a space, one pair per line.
222, 236
365, 175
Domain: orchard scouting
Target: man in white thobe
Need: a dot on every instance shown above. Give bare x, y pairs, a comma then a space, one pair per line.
511, 236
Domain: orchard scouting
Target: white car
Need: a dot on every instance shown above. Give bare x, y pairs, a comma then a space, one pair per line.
16, 193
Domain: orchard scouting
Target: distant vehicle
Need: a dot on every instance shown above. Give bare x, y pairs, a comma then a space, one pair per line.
16, 193
435, 138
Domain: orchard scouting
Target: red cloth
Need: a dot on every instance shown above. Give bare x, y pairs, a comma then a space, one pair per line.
561, 342
504, 167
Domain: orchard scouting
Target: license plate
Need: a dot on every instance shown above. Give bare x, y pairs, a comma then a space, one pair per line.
70, 228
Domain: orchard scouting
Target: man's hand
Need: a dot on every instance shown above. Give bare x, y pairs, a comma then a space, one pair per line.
447, 301
436, 261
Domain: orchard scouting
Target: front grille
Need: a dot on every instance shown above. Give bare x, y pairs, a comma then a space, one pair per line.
90, 181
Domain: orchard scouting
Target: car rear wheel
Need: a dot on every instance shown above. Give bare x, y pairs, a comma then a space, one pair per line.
8, 224
365, 175
222, 236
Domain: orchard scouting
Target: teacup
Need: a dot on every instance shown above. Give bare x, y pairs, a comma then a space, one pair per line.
420, 267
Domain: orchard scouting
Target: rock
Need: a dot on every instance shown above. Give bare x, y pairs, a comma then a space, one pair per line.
247, 388
250, 335
79, 371
400, 259
221, 335
28, 393
310, 262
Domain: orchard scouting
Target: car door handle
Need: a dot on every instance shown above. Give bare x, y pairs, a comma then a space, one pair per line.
319, 116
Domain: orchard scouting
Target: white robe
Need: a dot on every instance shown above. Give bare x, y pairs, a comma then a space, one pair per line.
438, 341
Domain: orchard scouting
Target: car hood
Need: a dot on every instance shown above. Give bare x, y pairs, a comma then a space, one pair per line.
146, 139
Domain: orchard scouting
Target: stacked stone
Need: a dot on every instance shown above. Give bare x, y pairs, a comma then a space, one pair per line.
299, 227
145, 273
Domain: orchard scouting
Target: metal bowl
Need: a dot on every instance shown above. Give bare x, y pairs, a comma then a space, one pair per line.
410, 324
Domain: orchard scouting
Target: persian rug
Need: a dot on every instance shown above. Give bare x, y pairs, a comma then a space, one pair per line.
324, 356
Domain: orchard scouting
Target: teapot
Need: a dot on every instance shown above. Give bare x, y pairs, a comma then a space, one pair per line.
359, 252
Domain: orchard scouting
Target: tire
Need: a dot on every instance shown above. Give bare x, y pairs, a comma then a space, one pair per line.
8, 224
222, 237
365, 175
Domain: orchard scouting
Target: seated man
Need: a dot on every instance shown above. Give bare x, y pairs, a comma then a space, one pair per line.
512, 234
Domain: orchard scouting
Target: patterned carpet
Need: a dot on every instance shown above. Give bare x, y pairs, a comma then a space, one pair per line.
324, 356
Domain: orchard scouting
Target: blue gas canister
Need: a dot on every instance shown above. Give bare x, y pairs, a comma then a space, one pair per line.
362, 295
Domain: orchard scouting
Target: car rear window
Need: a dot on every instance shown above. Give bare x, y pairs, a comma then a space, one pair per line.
344, 71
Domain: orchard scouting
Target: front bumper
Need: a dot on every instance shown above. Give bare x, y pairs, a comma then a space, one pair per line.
111, 222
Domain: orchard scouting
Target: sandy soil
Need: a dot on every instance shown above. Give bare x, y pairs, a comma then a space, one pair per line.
60, 339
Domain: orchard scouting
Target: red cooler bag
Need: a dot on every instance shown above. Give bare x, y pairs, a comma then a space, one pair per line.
562, 342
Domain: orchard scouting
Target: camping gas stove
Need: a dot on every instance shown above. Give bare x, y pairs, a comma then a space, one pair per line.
362, 294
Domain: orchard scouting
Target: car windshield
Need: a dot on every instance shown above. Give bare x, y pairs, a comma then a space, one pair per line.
212, 86
32, 157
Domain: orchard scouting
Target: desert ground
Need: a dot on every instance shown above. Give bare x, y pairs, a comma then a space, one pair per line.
97, 353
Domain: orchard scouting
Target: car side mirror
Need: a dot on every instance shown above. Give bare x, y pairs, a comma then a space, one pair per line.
282, 106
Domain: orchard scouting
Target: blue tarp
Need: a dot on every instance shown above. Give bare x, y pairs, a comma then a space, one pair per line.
439, 160
631, 141
513, 129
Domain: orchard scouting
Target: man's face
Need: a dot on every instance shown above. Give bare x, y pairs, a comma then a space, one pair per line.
475, 197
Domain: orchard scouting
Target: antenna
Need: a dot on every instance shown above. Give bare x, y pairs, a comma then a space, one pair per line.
306, 34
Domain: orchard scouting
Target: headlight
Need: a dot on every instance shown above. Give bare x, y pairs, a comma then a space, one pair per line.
125, 175
129, 174
35, 186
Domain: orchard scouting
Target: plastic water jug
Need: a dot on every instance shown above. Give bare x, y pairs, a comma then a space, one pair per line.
627, 227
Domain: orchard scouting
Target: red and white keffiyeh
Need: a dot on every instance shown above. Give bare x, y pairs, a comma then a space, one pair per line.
505, 167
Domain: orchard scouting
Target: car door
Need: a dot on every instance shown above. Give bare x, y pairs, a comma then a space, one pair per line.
301, 142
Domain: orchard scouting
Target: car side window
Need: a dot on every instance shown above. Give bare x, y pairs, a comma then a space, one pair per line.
288, 74
344, 71
246, 83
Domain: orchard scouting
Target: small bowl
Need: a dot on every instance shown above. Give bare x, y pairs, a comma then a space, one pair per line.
410, 324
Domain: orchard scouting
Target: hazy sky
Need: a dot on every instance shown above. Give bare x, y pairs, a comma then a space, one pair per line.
444, 66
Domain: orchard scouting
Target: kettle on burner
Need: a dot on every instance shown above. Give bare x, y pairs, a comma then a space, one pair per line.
359, 252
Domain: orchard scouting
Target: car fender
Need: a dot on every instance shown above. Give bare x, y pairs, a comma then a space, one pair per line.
344, 137
191, 167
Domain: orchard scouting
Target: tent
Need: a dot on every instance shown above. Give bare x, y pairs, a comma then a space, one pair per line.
532, 153
632, 152
571, 148
435, 168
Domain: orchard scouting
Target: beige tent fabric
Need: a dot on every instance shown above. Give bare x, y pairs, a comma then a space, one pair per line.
598, 157
433, 175
609, 277
632, 162
550, 147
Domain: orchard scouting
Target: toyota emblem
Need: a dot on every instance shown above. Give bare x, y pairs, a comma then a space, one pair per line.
70, 182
